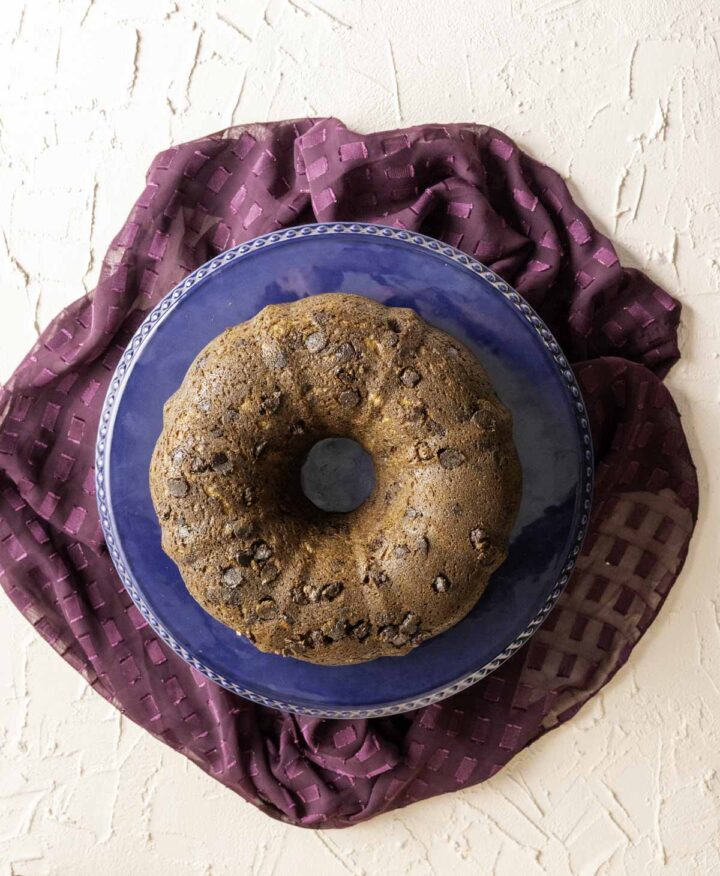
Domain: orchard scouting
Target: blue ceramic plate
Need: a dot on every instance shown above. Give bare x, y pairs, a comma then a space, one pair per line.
449, 290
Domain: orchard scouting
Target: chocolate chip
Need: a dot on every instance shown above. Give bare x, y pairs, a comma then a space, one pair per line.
441, 584
261, 551
424, 450
273, 356
388, 633
183, 532
453, 352
412, 513
197, 465
484, 419
410, 624
394, 326
331, 591
238, 529
269, 574
344, 352
248, 496
177, 487
482, 543
361, 630
434, 428
400, 551
317, 639
393, 636
220, 464
232, 576
316, 342
229, 416
320, 317
311, 592
349, 398
270, 404
245, 557
334, 630
266, 609
410, 377
451, 458
423, 545
178, 456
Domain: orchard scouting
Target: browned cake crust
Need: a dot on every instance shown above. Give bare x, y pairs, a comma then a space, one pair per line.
258, 555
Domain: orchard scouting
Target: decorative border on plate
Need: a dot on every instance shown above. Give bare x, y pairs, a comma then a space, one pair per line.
268, 240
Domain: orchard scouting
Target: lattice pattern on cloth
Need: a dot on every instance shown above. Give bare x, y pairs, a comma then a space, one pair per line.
469, 186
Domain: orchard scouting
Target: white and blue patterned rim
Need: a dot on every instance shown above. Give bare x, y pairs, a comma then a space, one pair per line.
173, 298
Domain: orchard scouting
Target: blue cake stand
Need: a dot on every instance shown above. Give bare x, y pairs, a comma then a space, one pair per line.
449, 290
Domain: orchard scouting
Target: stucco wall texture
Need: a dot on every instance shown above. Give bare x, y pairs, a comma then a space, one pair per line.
623, 98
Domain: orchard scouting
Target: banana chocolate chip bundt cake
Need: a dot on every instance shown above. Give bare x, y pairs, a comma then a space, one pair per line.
233, 468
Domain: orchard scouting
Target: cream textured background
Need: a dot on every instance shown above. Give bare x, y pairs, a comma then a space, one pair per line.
623, 98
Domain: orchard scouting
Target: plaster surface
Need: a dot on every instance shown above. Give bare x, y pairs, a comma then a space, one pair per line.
623, 98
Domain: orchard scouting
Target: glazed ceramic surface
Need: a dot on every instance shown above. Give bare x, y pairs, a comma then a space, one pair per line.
451, 291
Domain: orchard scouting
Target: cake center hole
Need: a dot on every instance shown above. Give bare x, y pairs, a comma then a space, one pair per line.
337, 475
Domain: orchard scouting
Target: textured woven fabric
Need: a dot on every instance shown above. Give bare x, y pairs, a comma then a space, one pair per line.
469, 186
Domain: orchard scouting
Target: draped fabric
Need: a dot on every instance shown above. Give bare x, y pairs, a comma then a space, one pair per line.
469, 186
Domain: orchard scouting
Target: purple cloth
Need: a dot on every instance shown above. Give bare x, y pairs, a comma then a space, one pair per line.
472, 187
